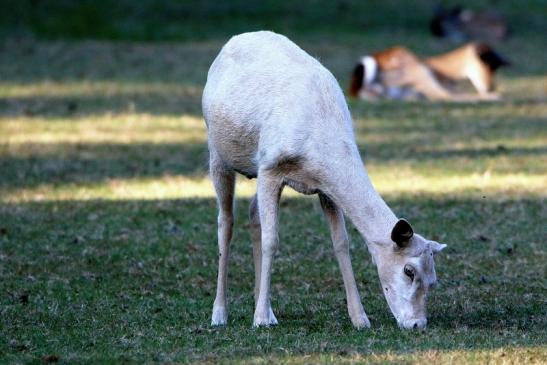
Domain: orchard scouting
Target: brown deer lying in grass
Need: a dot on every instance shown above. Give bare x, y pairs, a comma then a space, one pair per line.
276, 114
397, 73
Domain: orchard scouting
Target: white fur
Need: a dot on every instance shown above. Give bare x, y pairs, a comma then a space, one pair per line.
276, 113
371, 69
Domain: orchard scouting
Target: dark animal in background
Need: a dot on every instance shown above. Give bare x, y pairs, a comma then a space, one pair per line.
459, 25
397, 73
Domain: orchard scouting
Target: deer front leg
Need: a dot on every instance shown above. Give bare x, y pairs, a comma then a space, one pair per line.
224, 182
269, 188
257, 248
339, 235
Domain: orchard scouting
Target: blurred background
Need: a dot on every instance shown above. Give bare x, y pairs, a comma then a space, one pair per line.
163, 20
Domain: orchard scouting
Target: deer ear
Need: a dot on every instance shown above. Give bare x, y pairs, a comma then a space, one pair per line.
402, 233
436, 246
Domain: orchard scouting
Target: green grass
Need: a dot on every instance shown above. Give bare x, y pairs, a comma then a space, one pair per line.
108, 247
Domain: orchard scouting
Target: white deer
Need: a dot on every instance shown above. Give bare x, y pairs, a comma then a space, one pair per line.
275, 113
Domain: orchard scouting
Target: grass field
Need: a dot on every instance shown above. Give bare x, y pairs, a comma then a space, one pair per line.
108, 247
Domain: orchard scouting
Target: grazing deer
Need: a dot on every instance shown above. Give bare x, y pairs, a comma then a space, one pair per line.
397, 73
276, 114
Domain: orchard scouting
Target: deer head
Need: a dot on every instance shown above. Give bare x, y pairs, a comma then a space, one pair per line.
406, 268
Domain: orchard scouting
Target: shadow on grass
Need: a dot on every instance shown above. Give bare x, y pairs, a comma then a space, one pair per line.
83, 163
32, 164
410, 151
183, 98
146, 271
28, 61
164, 103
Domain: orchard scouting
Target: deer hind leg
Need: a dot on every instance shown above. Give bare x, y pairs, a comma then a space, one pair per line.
224, 183
257, 248
481, 78
339, 235
427, 84
269, 188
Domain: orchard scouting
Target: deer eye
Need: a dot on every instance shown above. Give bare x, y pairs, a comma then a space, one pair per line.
409, 271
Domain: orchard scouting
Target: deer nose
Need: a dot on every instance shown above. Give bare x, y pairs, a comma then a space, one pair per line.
419, 324
413, 324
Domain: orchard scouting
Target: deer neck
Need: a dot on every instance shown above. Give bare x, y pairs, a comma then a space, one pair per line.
354, 193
